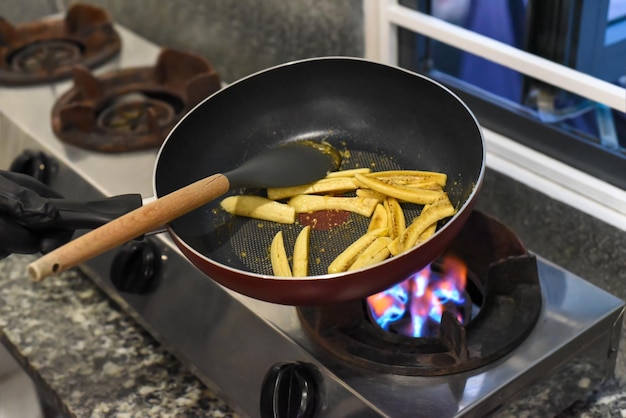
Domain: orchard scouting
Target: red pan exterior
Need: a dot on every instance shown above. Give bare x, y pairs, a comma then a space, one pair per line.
329, 289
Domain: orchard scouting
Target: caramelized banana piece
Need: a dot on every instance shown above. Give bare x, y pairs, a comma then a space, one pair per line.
410, 176
344, 260
428, 232
311, 203
369, 193
334, 185
395, 217
378, 219
278, 256
259, 208
402, 193
422, 185
377, 251
348, 173
431, 214
301, 253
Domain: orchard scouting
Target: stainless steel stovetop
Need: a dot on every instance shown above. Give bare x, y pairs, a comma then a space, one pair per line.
231, 341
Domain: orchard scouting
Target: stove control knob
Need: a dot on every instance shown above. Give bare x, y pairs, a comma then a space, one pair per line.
35, 164
289, 390
136, 266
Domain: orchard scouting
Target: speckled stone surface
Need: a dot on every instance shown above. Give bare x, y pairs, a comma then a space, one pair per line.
88, 358
609, 401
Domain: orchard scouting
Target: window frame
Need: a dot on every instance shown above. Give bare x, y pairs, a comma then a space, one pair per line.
517, 145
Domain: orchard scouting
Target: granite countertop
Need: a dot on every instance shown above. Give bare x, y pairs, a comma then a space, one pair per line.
87, 357
90, 359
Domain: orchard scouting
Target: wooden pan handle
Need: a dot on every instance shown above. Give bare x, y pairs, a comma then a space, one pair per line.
130, 226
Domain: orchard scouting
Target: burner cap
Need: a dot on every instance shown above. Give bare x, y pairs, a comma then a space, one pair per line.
45, 56
46, 50
135, 113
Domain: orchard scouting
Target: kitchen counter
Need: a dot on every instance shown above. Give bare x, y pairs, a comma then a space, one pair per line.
89, 358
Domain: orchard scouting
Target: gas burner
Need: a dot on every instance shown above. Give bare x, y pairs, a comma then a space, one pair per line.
135, 113
46, 50
503, 285
134, 108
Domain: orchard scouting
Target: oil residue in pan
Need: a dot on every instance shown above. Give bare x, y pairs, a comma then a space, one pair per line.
248, 240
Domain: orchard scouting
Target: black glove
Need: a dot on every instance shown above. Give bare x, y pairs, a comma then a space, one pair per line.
27, 216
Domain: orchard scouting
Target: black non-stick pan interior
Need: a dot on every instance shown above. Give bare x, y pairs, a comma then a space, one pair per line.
378, 117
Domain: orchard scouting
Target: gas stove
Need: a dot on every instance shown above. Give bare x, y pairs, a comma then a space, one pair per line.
260, 356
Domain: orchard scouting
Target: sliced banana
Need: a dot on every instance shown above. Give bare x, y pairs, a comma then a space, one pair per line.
378, 219
311, 203
278, 256
376, 252
301, 253
395, 217
259, 207
334, 185
402, 193
431, 214
410, 176
344, 260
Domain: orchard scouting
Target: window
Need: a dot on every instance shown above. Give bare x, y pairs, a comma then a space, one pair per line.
547, 74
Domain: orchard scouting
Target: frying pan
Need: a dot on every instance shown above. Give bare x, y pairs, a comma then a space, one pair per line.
376, 115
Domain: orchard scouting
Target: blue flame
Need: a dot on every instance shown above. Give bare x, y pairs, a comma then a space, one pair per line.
420, 298
399, 297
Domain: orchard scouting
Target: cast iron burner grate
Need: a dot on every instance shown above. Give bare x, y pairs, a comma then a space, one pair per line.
46, 50
504, 282
133, 108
